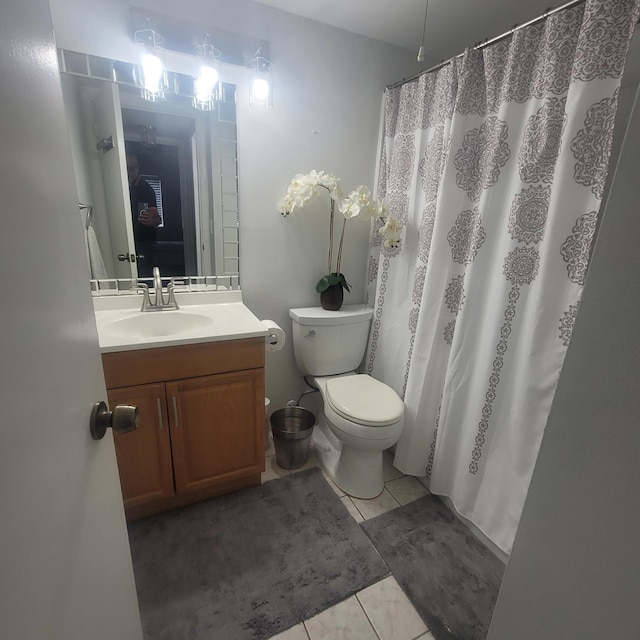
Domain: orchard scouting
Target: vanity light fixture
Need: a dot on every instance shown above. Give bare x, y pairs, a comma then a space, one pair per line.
206, 84
150, 74
260, 94
183, 67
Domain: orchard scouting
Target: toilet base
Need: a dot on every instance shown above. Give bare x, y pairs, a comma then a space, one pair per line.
357, 473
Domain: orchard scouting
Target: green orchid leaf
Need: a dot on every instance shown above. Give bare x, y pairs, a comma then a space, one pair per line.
323, 284
344, 283
332, 279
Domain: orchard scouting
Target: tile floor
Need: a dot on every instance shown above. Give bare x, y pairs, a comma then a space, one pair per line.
381, 611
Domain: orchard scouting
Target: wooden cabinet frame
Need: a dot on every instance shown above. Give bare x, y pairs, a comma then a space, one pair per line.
201, 424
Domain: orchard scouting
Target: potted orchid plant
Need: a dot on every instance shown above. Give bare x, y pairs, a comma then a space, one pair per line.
358, 203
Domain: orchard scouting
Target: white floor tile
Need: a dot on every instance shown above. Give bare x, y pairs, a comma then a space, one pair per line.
389, 472
344, 621
377, 506
423, 480
390, 611
272, 471
406, 489
357, 516
295, 633
426, 636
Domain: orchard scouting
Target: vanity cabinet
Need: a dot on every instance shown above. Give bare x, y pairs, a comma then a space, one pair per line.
200, 432
144, 455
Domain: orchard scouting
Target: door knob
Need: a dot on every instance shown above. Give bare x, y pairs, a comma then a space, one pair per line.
122, 419
130, 257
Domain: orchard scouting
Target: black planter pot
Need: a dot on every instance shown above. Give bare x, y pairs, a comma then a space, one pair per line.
331, 299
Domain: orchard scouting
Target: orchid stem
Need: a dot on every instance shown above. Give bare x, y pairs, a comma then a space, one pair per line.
344, 225
331, 235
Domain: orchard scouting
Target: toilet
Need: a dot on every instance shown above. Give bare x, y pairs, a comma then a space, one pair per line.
361, 416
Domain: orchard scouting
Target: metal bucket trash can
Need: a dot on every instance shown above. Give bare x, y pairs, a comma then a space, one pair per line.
292, 428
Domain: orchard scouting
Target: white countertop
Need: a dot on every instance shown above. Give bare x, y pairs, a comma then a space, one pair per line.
229, 319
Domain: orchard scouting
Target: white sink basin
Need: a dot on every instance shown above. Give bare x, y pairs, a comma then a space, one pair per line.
203, 317
158, 323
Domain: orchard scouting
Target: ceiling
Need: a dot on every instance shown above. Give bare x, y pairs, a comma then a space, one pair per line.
452, 25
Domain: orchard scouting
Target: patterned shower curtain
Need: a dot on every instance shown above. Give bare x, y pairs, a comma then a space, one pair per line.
495, 165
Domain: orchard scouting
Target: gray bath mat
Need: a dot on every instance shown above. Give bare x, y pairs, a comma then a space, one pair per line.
449, 576
251, 564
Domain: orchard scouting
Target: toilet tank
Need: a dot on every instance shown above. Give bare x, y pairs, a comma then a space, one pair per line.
330, 342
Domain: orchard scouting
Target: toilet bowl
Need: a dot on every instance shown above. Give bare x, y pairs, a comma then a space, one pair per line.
352, 453
361, 416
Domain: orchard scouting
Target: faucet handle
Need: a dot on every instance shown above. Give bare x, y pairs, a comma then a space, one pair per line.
146, 302
172, 296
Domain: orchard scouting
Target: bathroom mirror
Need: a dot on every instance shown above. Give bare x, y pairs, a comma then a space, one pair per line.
187, 156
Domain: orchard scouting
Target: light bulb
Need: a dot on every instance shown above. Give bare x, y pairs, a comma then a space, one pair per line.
205, 85
260, 90
260, 94
152, 73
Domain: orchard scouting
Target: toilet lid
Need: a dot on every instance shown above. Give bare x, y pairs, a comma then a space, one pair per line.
362, 399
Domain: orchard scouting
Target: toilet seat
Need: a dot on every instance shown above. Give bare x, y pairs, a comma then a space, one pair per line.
364, 400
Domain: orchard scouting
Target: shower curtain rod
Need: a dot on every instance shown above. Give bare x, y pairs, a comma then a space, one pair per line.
486, 43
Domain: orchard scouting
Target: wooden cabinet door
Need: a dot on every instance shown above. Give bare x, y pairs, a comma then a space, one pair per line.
216, 428
144, 455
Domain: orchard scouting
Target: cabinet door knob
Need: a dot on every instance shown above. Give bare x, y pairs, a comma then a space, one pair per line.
122, 419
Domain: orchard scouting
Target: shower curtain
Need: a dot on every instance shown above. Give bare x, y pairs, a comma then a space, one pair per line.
495, 165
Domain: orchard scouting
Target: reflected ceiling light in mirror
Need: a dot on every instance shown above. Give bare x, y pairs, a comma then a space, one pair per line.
150, 74
260, 94
207, 82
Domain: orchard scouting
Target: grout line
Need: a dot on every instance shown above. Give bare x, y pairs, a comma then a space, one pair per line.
304, 626
355, 506
366, 615
392, 494
396, 499
420, 634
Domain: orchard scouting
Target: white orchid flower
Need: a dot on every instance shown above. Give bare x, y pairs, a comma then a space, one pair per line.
359, 202
376, 209
349, 208
391, 232
362, 194
286, 205
355, 202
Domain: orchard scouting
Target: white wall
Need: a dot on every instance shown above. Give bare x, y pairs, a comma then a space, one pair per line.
575, 567
328, 87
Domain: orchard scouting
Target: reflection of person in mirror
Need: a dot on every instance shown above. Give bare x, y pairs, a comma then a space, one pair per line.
145, 216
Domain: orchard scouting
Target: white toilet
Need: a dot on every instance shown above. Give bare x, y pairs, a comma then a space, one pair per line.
361, 416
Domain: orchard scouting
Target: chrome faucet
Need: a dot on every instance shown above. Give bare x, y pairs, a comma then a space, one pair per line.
157, 287
159, 303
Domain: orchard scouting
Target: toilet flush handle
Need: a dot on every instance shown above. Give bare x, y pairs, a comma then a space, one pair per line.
311, 333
